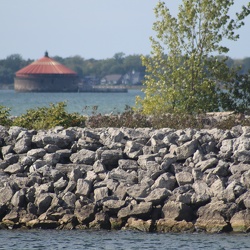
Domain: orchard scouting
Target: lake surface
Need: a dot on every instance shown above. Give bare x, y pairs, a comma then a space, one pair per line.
119, 240
76, 102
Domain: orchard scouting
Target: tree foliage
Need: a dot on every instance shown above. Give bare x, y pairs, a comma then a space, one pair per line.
183, 73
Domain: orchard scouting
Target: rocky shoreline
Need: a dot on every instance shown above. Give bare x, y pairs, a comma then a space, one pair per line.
150, 180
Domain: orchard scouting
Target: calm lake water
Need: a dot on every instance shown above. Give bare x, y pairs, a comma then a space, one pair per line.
119, 240
76, 102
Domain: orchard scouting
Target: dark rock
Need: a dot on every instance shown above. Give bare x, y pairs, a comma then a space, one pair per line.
86, 214
141, 211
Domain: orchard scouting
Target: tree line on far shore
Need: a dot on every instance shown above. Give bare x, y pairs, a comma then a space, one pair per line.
118, 64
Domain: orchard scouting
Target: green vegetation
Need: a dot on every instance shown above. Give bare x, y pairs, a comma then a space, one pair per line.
43, 117
5, 116
56, 115
182, 75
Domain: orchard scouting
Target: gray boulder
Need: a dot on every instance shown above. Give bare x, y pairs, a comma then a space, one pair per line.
83, 156
6, 193
141, 210
177, 211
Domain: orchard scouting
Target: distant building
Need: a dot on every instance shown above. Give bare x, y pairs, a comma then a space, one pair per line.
113, 79
46, 75
133, 78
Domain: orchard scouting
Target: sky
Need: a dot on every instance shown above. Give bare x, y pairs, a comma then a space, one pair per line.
89, 28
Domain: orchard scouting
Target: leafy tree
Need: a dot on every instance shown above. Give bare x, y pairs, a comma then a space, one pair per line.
190, 79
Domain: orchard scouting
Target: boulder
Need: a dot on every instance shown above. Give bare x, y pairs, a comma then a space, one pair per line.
101, 193
186, 150
43, 202
101, 221
86, 214
165, 180
83, 187
83, 156
157, 196
184, 178
173, 226
6, 193
19, 199
69, 198
141, 210
110, 158
177, 211
14, 168
139, 225
133, 149
214, 217
240, 222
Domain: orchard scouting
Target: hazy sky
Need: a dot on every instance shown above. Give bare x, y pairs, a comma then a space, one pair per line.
89, 28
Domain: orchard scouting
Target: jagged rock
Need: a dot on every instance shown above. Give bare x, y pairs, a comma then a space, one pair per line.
14, 169
101, 193
69, 198
206, 164
43, 202
157, 196
202, 193
173, 226
10, 159
99, 167
128, 165
115, 223
110, 158
51, 148
6, 194
240, 222
184, 178
23, 143
144, 159
60, 184
165, 180
41, 139
83, 187
152, 170
19, 199
186, 150
52, 158
138, 191
36, 153
101, 221
168, 159
177, 211
141, 210
139, 224
112, 206
214, 217
75, 174
86, 214
83, 156
123, 176
239, 168
133, 149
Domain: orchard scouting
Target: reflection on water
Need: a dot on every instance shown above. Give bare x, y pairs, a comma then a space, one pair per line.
53, 239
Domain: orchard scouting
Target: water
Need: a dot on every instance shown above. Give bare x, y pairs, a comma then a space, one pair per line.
76, 102
119, 240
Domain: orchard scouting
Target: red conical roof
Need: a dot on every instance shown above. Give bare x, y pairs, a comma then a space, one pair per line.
45, 65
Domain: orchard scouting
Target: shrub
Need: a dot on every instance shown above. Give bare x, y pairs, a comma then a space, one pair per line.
5, 119
49, 117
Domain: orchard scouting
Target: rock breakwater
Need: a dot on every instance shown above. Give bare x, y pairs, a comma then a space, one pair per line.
162, 180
